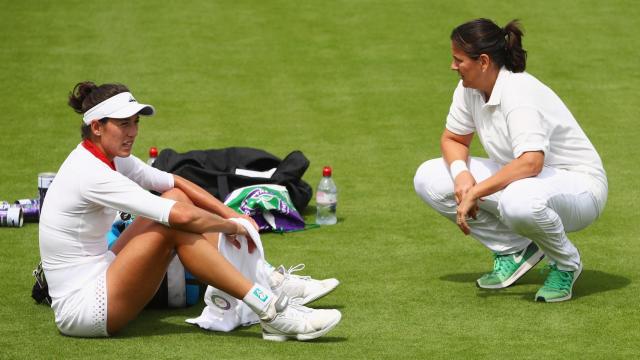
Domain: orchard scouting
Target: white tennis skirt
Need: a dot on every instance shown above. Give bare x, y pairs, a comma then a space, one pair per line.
83, 313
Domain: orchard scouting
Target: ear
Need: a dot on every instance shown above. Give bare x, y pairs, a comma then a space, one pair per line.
485, 62
96, 128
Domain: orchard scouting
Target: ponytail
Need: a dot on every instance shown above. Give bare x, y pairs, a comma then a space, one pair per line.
515, 55
79, 94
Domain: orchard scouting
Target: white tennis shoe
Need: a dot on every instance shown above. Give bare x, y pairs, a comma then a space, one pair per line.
295, 321
300, 289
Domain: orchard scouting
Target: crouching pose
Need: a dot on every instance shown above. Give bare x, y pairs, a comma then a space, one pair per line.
96, 292
543, 177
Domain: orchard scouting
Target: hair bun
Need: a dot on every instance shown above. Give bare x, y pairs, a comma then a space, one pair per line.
79, 94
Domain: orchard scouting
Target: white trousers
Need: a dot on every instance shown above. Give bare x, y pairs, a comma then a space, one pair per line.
541, 209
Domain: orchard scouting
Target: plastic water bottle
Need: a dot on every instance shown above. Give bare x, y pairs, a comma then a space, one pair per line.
326, 199
153, 154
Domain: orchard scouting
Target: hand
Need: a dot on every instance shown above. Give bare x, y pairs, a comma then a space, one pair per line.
241, 231
467, 208
462, 184
246, 217
250, 219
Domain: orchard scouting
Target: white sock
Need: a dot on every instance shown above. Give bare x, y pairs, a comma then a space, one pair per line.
260, 301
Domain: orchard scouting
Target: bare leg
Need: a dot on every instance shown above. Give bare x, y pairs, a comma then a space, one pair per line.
143, 254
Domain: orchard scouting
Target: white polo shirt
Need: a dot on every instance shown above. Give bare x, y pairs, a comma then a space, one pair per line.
523, 115
80, 207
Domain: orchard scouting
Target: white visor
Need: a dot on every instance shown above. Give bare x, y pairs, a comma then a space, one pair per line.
118, 106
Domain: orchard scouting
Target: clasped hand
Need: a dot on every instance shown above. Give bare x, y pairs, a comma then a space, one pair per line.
466, 200
241, 231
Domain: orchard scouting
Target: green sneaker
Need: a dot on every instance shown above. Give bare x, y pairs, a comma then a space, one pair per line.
559, 285
509, 268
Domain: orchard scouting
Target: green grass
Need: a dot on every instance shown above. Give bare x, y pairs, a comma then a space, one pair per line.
363, 86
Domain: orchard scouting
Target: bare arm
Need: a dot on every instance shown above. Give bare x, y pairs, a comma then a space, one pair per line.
190, 218
467, 192
529, 164
454, 146
202, 199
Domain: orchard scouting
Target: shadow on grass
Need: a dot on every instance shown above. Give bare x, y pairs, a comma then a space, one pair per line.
532, 277
244, 332
310, 212
590, 282
155, 322
325, 306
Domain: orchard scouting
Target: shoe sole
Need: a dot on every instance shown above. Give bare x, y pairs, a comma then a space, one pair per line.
523, 269
313, 297
542, 299
302, 337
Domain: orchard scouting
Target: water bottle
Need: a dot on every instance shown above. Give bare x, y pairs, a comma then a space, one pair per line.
326, 199
153, 154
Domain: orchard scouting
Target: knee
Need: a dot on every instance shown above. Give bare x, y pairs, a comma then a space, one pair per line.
521, 211
432, 181
176, 194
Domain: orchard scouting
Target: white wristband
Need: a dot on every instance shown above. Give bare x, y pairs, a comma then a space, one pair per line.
456, 167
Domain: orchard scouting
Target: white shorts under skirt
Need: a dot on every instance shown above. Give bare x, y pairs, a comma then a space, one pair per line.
83, 313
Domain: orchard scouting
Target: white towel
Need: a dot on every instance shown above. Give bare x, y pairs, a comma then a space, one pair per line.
224, 312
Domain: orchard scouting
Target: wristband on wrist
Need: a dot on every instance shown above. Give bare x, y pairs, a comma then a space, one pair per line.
456, 167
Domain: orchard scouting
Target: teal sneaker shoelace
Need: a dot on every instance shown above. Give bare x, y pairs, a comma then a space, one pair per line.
557, 279
502, 264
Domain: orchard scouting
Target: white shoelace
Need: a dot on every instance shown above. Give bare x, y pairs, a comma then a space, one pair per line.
296, 268
295, 311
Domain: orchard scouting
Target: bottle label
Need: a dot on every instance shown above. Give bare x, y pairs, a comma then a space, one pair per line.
326, 198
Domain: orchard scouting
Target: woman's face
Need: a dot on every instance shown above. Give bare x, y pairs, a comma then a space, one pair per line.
470, 70
117, 136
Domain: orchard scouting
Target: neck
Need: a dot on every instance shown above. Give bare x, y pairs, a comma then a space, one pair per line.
98, 151
96, 143
490, 82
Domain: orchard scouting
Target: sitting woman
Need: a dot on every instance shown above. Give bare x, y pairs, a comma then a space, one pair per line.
96, 291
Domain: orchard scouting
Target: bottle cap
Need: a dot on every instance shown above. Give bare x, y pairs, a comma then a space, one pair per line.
153, 151
326, 171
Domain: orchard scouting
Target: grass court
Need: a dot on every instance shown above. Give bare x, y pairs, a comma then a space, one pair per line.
363, 86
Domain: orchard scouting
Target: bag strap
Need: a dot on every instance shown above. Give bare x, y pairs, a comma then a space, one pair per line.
40, 290
223, 186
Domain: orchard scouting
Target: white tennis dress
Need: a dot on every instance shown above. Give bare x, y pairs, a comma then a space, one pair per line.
80, 206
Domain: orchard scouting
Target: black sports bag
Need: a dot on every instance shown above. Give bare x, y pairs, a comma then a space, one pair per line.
220, 171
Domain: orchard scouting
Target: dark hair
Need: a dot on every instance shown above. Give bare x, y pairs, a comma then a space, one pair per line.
503, 45
86, 95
